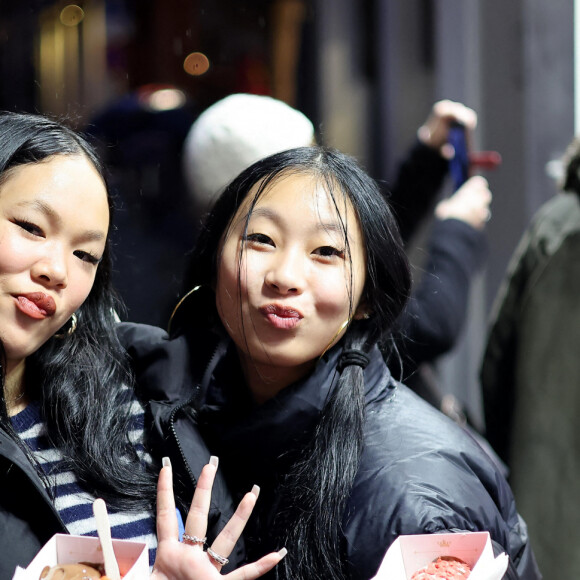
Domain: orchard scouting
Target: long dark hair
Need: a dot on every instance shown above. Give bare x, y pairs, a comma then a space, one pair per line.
81, 379
571, 164
318, 484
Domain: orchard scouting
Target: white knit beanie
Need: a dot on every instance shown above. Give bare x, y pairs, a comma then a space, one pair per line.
234, 133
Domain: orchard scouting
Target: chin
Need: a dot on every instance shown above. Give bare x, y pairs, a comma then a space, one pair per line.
276, 358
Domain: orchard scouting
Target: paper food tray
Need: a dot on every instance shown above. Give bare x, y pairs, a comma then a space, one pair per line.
132, 557
410, 553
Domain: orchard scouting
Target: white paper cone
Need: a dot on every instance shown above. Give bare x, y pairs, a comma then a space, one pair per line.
492, 571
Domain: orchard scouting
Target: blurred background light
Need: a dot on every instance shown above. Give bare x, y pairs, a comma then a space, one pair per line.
161, 97
71, 15
196, 64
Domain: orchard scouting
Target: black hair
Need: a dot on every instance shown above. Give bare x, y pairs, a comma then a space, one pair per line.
82, 378
315, 490
571, 163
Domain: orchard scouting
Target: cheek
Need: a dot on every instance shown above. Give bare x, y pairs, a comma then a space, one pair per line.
332, 296
227, 291
80, 289
235, 278
15, 254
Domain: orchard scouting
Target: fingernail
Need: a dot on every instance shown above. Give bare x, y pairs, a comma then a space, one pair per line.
256, 490
213, 460
166, 462
282, 552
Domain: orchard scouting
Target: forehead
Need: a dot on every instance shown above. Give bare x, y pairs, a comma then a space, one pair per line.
303, 196
67, 172
67, 185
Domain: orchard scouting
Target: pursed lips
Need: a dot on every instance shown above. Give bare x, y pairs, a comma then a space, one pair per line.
282, 317
37, 305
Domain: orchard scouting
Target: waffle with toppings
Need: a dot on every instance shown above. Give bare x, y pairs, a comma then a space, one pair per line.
81, 571
443, 568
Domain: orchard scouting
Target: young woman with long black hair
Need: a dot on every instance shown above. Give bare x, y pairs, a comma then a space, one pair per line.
71, 429
298, 272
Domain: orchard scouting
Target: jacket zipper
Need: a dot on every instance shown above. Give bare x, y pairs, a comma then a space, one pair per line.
174, 433
210, 366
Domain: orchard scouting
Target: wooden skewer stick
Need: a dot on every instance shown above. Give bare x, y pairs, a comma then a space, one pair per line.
104, 531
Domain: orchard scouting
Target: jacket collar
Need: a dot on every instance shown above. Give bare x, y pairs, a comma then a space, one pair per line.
234, 424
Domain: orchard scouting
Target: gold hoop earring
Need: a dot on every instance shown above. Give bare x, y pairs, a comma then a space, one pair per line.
331, 343
70, 330
194, 289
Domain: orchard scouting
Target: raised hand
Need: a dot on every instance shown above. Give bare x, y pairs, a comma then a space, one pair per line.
470, 203
435, 131
187, 560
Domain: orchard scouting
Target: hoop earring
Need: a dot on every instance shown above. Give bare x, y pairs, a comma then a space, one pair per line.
70, 330
331, 343
194, 289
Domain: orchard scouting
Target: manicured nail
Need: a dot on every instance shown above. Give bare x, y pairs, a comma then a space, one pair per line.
256, 490
166, 462
282, 552
213, 460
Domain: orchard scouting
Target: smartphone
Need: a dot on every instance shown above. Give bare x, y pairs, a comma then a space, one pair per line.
459, 164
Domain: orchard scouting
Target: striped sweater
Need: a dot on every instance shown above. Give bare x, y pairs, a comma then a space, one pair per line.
72, 502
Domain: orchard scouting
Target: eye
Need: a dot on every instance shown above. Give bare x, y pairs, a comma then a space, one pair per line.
30, 228
329, 252
261, 239
87, 257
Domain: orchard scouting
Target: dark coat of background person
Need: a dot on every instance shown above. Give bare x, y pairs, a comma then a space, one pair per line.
433, 319
531, 377
154, 228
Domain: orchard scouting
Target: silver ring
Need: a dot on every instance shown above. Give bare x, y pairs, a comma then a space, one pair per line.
488, 215
221, 560
192, 540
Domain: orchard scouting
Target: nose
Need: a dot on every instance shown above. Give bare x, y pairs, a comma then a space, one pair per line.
286, 273
51, 269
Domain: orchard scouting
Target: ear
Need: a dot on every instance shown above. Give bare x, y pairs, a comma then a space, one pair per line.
361, 312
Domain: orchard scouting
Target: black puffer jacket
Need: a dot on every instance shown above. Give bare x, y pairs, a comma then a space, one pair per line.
28, 518
420, 472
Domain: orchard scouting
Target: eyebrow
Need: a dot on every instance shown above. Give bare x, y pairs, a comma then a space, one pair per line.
47, 210
275, 217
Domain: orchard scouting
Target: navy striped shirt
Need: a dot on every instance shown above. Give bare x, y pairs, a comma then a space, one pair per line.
72, 502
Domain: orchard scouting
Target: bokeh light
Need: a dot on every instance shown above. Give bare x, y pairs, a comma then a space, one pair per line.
165, 99
196, 64
71, 15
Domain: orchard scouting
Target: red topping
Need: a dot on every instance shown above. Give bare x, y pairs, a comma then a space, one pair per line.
444, 568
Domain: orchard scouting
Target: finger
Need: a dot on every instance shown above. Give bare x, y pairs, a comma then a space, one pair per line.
447, 151
196, 523
258, 568
227, 538
467, 117
448, 110
166, 518
478, 180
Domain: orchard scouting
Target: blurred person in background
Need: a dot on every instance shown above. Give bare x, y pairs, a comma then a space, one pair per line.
140, 138
531, 375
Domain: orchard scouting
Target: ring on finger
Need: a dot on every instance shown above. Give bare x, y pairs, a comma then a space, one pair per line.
193, 540
221, 560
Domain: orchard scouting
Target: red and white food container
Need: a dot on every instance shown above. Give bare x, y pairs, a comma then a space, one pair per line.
408, 554
132, 557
